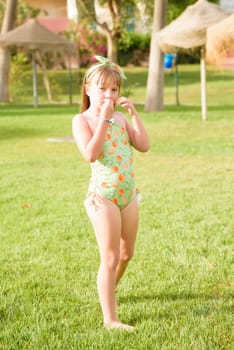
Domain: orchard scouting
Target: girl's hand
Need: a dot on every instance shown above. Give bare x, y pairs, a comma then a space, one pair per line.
107, 108
127, 105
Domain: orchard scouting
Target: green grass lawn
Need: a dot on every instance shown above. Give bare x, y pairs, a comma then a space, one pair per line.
179, 288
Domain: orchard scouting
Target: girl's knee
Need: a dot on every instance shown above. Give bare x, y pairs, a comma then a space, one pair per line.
127, 256
111, 261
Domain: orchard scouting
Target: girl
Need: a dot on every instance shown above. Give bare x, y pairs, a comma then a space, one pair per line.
104, 138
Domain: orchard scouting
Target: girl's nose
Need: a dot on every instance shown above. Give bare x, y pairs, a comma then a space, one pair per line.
108, 93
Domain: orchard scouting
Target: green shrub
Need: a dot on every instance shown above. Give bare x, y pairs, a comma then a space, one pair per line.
134, 41
133, 48
20, 79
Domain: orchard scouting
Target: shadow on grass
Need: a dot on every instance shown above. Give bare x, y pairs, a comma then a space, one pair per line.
69, 110
197, 108
186, 296
182, 301
21, 119
188, 77
193, 77
41, 110
8, 133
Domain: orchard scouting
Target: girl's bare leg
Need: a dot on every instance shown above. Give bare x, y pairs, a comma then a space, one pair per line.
106, 221
130, 218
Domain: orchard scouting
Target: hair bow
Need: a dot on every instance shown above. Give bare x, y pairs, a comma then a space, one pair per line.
106, 62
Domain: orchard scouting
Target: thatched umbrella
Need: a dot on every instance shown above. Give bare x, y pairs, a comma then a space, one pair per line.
188, 33
220, 41
32, 37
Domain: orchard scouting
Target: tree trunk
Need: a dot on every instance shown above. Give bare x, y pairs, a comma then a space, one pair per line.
112, 45
46, 81
4, 74
91, 11
155, 82
8, 24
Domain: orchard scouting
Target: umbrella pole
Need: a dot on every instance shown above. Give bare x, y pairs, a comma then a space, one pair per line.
177, 79
203, 84
70, 81
34, 68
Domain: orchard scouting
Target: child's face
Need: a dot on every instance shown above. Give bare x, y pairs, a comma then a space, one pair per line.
99, 92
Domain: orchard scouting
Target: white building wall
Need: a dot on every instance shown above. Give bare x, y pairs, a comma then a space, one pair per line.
72, 11
227, 4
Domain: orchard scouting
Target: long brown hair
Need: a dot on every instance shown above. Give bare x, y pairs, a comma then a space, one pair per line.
100, 72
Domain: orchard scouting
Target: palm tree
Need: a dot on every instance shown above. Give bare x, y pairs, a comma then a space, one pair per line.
8, 24
155, 82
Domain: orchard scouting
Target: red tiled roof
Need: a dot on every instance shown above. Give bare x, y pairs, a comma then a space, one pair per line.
56, 25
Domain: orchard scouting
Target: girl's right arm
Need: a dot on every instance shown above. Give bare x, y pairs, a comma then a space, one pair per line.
89, 143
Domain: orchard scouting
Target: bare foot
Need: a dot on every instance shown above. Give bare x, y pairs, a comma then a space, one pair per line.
119, 325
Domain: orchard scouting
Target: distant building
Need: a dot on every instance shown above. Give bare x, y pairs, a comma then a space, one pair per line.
55, 8
228, 61
56, 15
227, 4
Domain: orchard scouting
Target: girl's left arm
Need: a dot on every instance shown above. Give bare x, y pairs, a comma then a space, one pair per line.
136, 130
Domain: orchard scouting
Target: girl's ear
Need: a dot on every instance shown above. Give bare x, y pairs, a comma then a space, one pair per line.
87, 89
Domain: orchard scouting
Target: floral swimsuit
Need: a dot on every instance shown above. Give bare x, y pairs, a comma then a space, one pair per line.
113, 173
